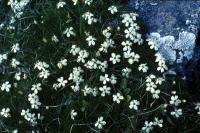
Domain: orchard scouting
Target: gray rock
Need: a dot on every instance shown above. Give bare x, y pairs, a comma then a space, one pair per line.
173, 24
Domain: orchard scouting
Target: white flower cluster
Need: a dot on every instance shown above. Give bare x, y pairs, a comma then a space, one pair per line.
150, 125
104, 65
43, 68
18, 7
175, 102
89, 17
30, 117
152, 85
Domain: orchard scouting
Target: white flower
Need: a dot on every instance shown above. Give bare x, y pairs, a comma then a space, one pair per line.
89, 17
91, 40
105, 45
153, 45
158, 122
75, 2
197, 107
75, 50
126, 45
54, 39
36, 88
174, 100
130, 33
61, 82
3, 57
134, 104
75, 87
82, 55
129, 19
112, 9
17, 76
73, 114
115, 58
88, 2
34, 101
159, 81
14, 63
104, 90
147, 127
177, 113
100, 123
41, 65
151, 86
60, 4
5, 112
143, 68
104, 78
15, 131
133, 58
87, 90
61, 63
150, 78
15, 48
156, 94
44, 74
126, 71
113, 79
6, 86
106, 32
117, 98
69, 32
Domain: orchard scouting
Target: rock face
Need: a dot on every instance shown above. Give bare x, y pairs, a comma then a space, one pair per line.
173, 24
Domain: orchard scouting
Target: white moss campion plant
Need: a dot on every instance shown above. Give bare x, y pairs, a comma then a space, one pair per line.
81, 66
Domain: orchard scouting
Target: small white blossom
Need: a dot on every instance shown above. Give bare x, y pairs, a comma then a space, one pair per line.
134, 104
158, 122
100, 123
106, 32
174, 100
115, 58
73, 114
126, 45
5, 112
153, 45
91, 40
83, 54
61, 82
3, 57
15, 48
44, 74
75, 50
75, 2
104, 90
88, 2
69, 31
143, 67
126, 71
55, 39
112, 9
36, 87
18, 76
147, 127
117, 98
61, 63
104, 78
41, 65
177, 113
89, 17
113, 79
60, 4
6, 86
14, 63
